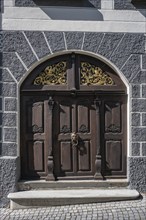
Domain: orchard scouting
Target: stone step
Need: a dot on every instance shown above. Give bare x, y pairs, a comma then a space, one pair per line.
42, 184
43, 198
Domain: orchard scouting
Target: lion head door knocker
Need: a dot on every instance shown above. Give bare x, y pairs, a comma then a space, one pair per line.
74, 139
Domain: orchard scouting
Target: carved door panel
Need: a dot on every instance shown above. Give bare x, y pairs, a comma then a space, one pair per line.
78, 116
114, 136
34, 142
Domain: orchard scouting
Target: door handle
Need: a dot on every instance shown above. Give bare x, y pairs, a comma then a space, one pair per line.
74, 139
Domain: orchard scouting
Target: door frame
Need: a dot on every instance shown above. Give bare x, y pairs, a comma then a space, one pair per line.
95, 56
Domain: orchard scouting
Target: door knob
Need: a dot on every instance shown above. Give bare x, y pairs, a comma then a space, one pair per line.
74, 139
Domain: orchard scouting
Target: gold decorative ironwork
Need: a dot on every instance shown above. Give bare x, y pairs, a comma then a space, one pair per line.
93, 75
53, 75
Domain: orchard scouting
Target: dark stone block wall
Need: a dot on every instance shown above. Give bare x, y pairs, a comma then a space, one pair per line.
129, 4
9, 172
20, 50
123, 4
137, 175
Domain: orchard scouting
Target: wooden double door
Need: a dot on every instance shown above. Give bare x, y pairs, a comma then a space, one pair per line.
73, 135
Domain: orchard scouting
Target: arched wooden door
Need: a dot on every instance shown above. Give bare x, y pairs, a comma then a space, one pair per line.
73, 120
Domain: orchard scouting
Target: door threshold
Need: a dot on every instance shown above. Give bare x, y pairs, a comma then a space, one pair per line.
24, 185
43, 198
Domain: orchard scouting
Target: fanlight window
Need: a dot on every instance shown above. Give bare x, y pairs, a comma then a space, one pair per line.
94, 75
52, 75
73, 71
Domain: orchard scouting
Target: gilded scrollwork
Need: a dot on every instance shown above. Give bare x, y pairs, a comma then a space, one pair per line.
55, 74
93, 75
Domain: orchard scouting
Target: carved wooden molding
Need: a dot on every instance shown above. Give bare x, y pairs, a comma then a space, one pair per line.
37, 129
65, 129
83, 129
113, 128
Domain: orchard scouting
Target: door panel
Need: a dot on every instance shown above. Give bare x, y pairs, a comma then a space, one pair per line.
38, 117
36, 156
66, 156
114, 146
112, 117
83, 118
33, 137
84, 154
65, 117
114, 155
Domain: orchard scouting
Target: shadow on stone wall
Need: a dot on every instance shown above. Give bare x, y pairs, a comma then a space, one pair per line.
71, 13
143, 12
85, 10
140, 6
70, 3
129, 5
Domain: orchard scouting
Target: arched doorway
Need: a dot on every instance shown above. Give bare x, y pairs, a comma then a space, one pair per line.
73, 120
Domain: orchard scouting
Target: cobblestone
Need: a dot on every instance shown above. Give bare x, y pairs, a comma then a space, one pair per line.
122, 210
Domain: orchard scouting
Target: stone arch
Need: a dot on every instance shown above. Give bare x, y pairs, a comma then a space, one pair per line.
82, 52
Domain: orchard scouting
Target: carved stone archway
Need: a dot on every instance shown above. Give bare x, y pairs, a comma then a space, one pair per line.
73, 120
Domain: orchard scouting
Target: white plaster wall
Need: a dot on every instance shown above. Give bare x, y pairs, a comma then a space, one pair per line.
37, 25
73, 18
107, 4
9, 3
68, 13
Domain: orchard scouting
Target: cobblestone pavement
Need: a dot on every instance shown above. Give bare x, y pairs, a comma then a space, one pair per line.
134, 210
